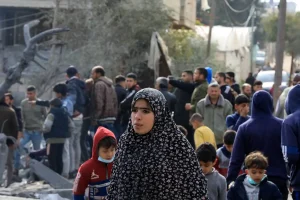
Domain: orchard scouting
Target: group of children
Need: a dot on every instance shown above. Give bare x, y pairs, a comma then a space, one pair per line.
93, 176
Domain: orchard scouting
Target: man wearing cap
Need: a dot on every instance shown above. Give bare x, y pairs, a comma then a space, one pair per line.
279, 111
162, 85
242, 109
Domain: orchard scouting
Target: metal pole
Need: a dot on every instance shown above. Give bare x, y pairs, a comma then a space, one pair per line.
252, 42
211, 25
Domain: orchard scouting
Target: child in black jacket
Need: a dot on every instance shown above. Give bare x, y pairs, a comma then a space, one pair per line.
254, 184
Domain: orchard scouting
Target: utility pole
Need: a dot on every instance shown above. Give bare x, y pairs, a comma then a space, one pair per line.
211, 25
252, 42
280, 45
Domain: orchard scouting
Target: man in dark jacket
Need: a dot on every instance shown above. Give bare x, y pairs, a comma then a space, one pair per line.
9, 100
8, 126
262, 132
225, 89
230, 80
125, 105
183, 93
121, 95
162, 85
250, 79
290, 136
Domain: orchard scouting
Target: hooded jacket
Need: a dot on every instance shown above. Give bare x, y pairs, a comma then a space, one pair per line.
290, 135
267, 190
76, 93
158, 165
262, 132
94, 174
104, 101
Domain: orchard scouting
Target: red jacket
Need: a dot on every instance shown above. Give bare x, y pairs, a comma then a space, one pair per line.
94, 174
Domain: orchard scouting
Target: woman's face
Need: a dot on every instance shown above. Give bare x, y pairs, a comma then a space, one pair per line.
142, 117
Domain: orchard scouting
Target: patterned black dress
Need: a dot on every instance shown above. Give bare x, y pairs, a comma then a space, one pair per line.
159, 165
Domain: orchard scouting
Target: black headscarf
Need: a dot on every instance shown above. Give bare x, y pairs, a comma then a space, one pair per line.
159, 165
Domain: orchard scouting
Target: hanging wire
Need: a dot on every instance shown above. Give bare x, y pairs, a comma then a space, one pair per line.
22, 17
239, 11
18, 25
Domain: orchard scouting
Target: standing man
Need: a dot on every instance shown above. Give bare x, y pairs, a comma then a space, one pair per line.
8, 126
250, 79
162, 85
279, 111
230, 80
9, 100
247, 91
262, 132
214, 109
75, 93
200, 91
226, 91
183, 94
290, 136
257, 86
121, 95
33, 120
125, 105
104, 100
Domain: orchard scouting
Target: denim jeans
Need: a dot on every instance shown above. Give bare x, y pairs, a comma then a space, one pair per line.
35, 137
109, 126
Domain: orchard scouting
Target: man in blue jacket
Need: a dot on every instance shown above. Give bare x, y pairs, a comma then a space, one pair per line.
262, 132
290, 135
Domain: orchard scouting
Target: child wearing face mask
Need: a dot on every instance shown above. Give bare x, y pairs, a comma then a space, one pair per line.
254, 184
93, 177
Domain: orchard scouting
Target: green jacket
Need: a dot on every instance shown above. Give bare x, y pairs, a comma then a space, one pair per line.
215, 115
199, 93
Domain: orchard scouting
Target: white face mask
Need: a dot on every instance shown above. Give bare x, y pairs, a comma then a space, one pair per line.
106, 161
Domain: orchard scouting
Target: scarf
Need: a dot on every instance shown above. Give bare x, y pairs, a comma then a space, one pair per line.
159, 165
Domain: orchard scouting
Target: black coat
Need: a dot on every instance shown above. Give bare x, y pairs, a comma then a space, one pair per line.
171, 99
267, 190
19, 118
183, 94
125, 105
121, 93
227, 94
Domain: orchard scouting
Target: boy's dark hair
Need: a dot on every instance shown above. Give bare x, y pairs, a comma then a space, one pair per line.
9, 95
229, 137
206, 153
107, 142
231, 74
202, 71
120, 79
182, 129
257, 82
31, 88
61, 88
196, 117
99, 70
189, 72
71, 71
131, 75
256, 160
222, 75
241, 98
56, 103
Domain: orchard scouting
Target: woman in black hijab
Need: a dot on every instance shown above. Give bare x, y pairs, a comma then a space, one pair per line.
154, 160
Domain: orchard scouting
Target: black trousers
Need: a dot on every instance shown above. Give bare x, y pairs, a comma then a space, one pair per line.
55, 157
84, 139
282, 186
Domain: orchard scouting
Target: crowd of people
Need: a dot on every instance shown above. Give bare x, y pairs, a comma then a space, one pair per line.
200, 137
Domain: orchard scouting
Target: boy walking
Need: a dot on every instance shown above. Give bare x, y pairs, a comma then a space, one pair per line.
242, 109
216, 183
254, 184
224, 153
202, 133
56, 129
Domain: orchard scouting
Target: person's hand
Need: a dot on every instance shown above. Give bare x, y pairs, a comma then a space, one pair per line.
291, 189
33, 103
244, 111
188, 106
